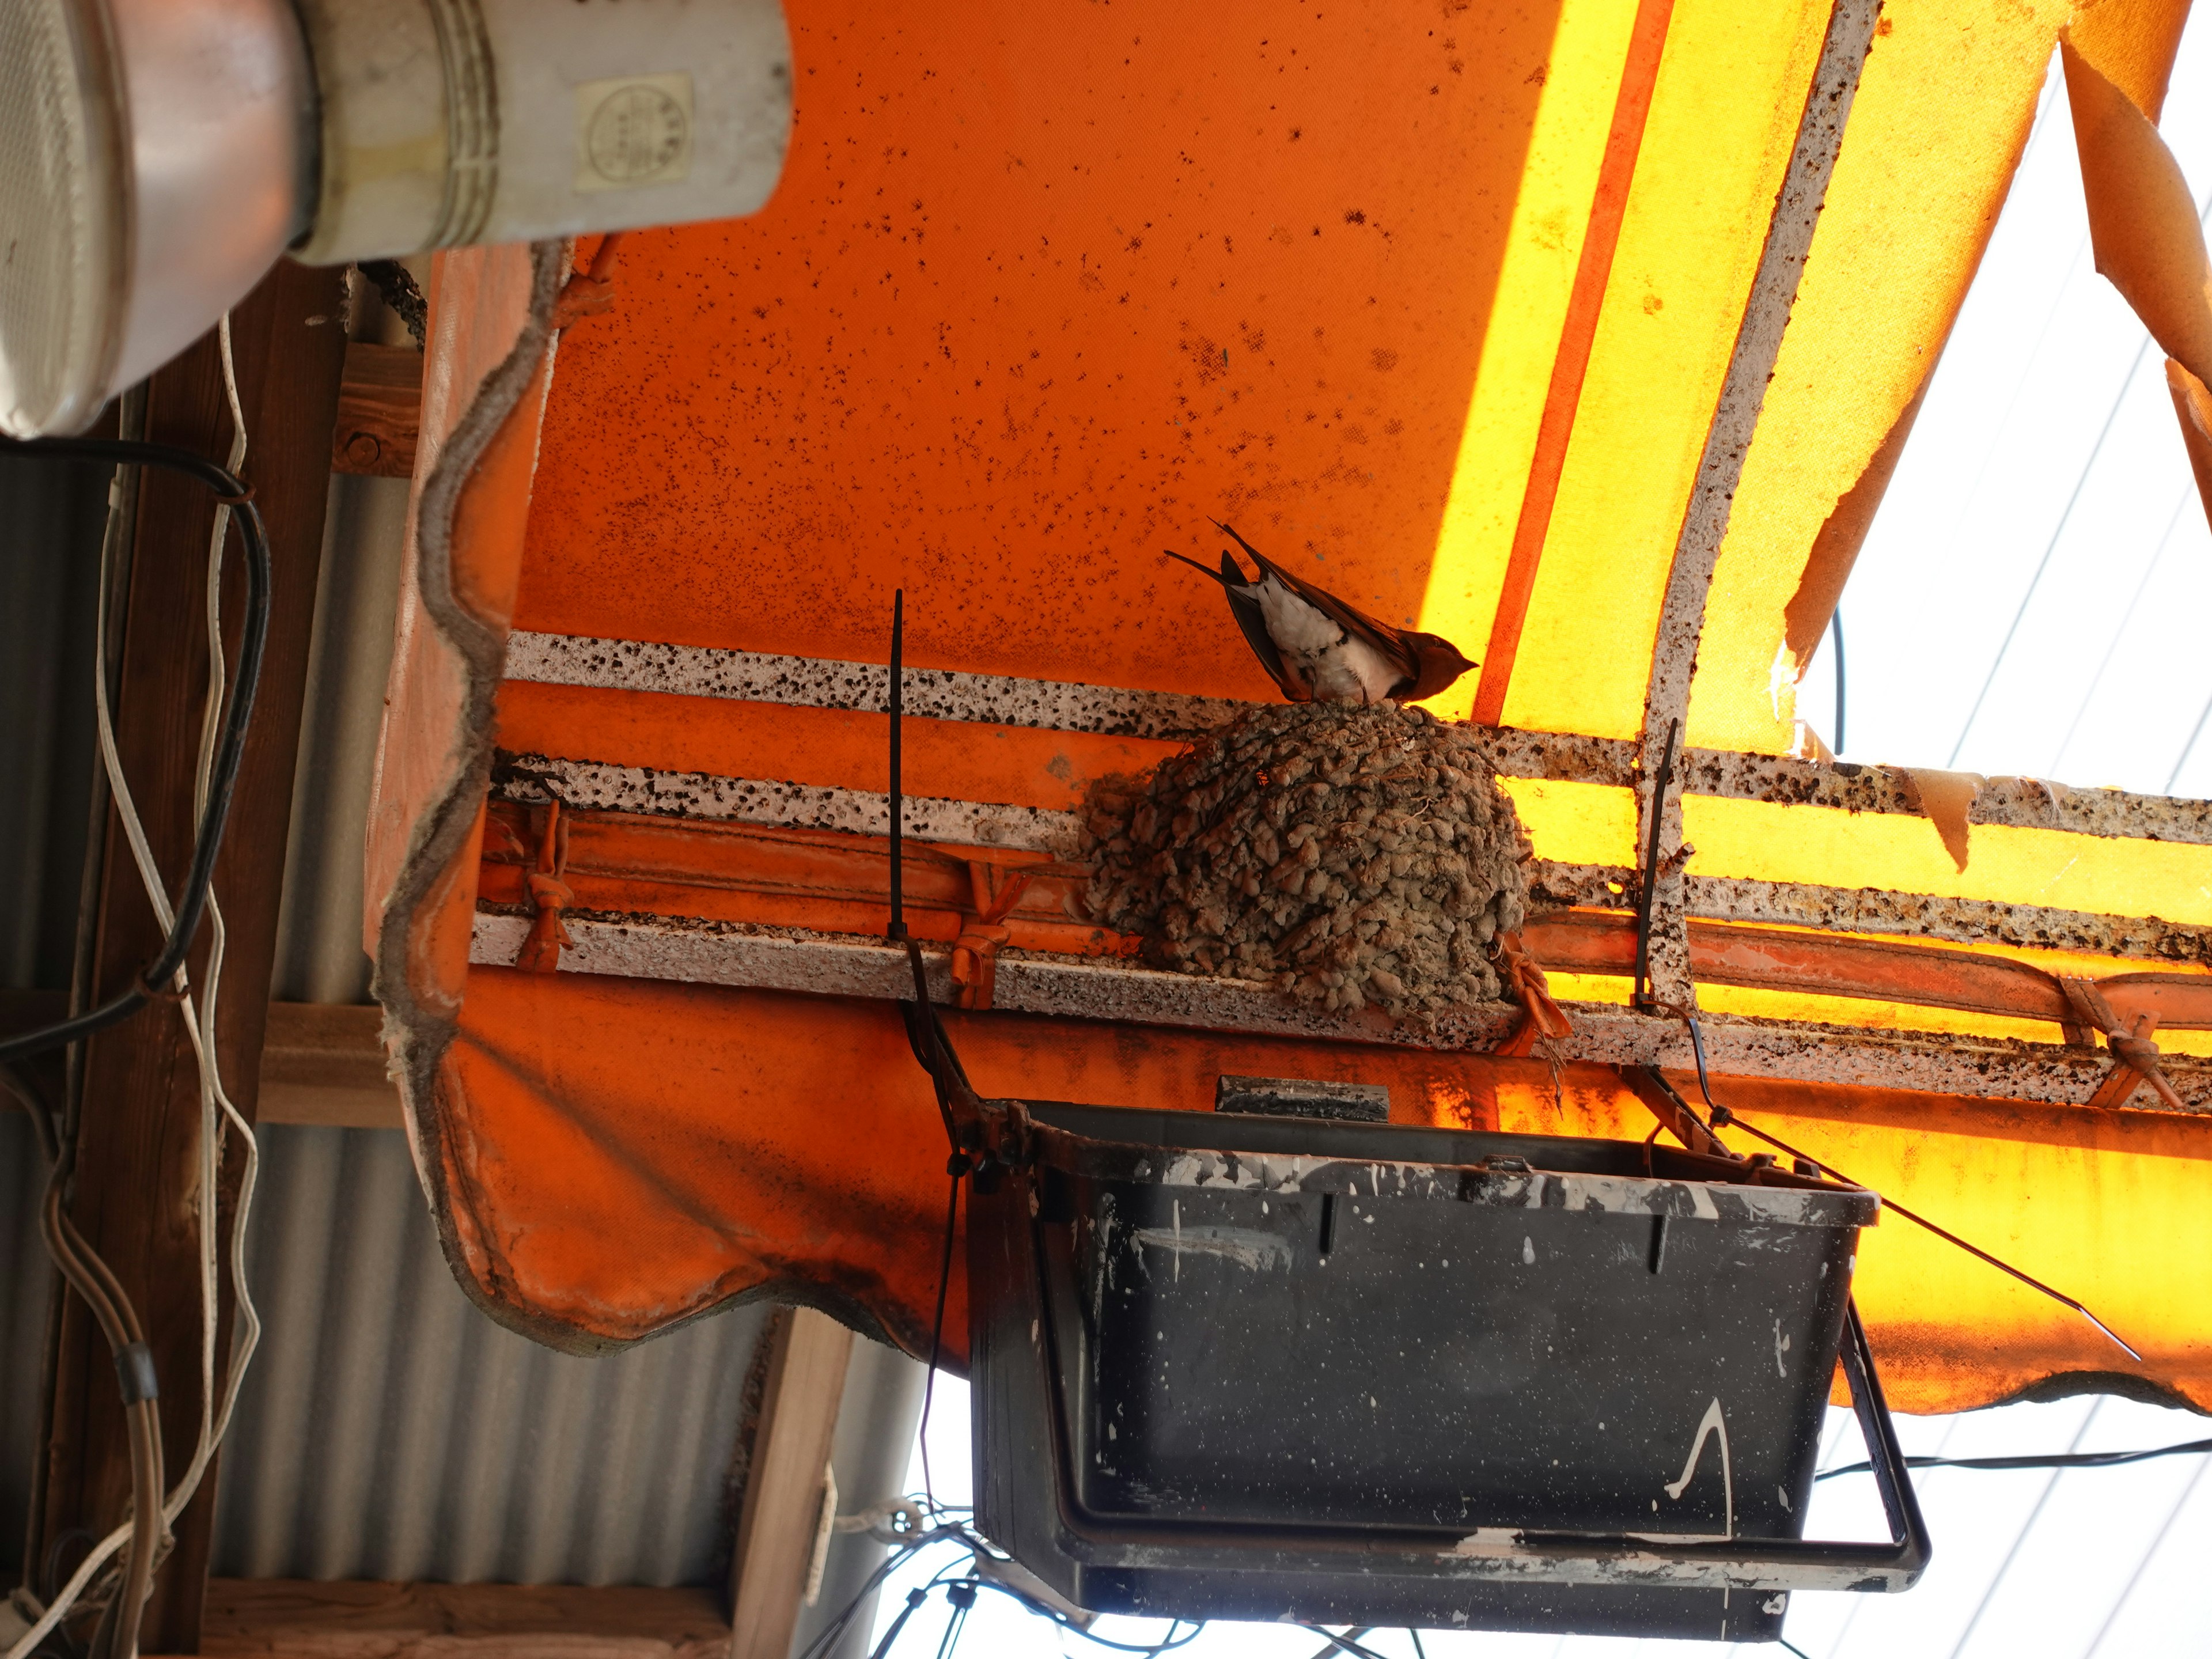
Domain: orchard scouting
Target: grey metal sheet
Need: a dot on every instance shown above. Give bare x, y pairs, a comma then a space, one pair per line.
391, 1430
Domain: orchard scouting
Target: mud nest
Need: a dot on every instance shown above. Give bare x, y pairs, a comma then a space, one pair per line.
1346, 856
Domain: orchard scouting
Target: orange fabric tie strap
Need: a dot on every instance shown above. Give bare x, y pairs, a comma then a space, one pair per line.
541, 951
975, 953
2135, 1055
1541, 1016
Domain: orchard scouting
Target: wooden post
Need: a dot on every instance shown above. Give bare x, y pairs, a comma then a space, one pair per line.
786, 1483
138, 1113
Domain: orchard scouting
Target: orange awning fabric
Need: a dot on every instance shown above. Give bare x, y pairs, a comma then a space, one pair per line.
1439, 308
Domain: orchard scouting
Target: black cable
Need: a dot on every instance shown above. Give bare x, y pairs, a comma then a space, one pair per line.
897, 1558
962, 1597
897, 929
1168, 1644
915, 1598
230, 748
1639, 995
1836, 627
2037, 1460
1419, 1652
1347, 1643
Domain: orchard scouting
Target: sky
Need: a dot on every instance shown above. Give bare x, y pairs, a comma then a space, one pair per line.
2129, 1545
2031, 600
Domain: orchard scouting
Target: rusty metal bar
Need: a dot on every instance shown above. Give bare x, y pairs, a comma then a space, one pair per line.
1728, 442
706, 797
1880, 910
1112, 711
780, 958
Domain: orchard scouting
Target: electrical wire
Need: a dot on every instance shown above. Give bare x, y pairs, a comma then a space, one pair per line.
1836, 628
2037, 1460
1721, 1117
231, 744
221, 734
957, 1574
86, 1274
1348, 1643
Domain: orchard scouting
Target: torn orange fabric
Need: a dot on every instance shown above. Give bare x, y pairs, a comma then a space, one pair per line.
2142, 217
1835, 548
2192, 404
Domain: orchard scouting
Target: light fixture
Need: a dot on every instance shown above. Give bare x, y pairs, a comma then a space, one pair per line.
157, 156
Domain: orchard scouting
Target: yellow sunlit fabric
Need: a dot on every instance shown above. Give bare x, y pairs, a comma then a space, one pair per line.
1943, 109
1576, 823
2115, 1207
1762, 841
1537, 271
1723, 118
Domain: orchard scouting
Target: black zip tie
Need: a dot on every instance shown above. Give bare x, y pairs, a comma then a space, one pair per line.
897, 930
1640, 993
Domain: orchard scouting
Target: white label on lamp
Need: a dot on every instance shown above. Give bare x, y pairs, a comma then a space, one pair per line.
633, 131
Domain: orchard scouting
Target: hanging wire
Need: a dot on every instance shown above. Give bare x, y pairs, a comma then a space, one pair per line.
222, 728
1723, 1117
1639, 991
230, 751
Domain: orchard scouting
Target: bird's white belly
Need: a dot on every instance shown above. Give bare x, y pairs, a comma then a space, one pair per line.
1327, 664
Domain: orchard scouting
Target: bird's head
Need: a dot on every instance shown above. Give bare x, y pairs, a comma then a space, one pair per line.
1440, 664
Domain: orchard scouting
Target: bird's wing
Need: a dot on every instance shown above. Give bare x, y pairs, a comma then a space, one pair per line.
1245, 607
1385, 638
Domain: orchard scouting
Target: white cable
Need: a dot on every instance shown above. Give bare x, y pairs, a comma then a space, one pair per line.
200, 1027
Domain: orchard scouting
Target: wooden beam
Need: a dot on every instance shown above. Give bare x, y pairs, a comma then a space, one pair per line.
324, 1065
320, 1065
302, 1619
138, 1114
786, 1483
379, 410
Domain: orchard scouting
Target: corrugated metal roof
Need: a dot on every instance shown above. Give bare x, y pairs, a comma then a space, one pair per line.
391, 1430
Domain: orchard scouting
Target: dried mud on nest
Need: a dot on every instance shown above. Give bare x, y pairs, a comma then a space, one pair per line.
1346, 856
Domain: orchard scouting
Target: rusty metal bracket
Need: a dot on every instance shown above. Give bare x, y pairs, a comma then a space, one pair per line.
1650, 1085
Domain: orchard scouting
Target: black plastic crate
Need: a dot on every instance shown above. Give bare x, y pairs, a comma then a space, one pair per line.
1230, 1366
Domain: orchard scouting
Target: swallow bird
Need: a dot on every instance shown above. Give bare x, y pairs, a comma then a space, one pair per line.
1319, 649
